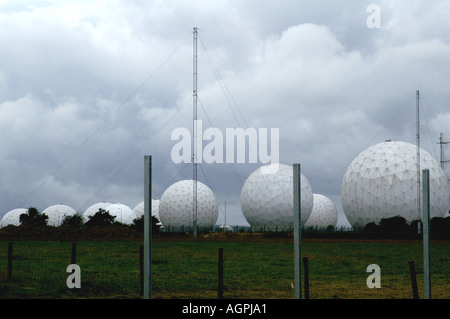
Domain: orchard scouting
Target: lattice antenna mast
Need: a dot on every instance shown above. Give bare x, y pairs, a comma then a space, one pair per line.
194, 152
442, 159
418, 156
442, 143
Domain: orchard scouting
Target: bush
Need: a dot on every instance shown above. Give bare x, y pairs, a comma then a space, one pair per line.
101, 218
138, 224
33, 218
75, 221
440, 228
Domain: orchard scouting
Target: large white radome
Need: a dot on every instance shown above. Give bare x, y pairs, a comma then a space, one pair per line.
176, 205
324, 213
13, 217
381, 182
267, 197
57, 213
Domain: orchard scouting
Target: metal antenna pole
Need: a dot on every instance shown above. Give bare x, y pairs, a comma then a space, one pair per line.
194, 153
225, 213
418, 160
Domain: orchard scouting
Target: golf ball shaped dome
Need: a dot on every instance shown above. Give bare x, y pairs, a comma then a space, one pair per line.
267, 197
13, 217
176, 205
381, 182
139, 209
93, 209
324, 213
122, 213
57, 213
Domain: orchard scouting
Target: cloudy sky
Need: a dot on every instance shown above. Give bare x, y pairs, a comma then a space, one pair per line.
88, 88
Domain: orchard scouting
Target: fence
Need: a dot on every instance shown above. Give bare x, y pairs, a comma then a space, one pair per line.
189, 269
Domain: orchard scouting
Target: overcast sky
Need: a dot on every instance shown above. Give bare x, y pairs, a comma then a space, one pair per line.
88, 88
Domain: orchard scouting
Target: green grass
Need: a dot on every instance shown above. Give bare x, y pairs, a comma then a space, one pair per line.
253, 268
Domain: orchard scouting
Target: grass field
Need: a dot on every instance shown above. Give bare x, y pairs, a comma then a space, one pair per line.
253, 268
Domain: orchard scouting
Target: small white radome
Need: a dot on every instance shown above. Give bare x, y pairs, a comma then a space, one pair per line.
122, 213
324, 213
93, 209
139, 209
13, 217
57, 213
176, 205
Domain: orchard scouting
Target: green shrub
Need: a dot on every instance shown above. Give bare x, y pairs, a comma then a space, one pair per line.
33, 218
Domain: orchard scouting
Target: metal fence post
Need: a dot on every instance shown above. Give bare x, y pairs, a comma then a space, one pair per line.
297, 233
426, 234
147, 227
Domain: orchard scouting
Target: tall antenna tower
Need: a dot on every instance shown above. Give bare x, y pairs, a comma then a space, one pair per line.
194, 144
442, 143
418, 158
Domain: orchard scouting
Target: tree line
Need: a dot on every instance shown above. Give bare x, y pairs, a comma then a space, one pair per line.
101, 218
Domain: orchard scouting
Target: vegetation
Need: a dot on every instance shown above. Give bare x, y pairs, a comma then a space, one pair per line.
253, 268
33, 218
100, 218
397, 226
75, 221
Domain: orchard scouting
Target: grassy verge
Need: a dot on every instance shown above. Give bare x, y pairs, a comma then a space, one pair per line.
253, 268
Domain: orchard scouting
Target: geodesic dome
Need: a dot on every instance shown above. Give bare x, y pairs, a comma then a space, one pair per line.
93, 209
139, 209
324, 213
57, 213
381, 182
267, 198
176, 205
123, 213
13, 217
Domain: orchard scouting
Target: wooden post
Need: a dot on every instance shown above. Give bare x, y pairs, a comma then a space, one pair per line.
220, 273
141, 268
74, 253
306, 274
10, 254
412, 271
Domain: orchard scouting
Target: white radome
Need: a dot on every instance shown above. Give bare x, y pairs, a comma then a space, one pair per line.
13, 217
225, 228
324, 213
122, 213
93, 209
57, 213
267, 197
139, 209
381, 182
176, 205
